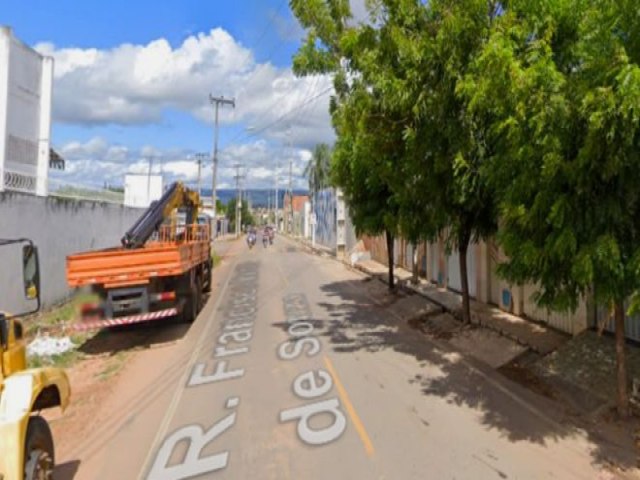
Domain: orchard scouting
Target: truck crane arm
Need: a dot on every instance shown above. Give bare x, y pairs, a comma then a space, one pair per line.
176, 196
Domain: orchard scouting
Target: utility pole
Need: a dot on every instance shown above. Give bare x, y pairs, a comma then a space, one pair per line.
238, 177
277, 224
290, 228
290, 193
217, 101
200, 158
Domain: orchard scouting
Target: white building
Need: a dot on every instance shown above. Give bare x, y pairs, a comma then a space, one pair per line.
26, 83
141, 190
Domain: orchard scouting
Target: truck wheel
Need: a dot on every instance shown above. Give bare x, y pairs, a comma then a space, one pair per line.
208, 272
198, 295
38, 453
189, 308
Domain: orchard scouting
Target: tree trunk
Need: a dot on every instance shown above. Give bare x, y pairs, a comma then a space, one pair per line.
414, 265
623, 395
466, 309
390, 257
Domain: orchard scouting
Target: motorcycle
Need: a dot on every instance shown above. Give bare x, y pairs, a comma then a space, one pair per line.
251, 240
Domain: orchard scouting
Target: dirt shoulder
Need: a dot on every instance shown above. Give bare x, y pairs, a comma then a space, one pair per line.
114, 374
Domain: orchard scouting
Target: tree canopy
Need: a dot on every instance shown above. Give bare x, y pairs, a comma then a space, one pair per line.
474, 118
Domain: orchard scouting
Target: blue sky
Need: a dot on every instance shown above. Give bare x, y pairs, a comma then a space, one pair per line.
135, 76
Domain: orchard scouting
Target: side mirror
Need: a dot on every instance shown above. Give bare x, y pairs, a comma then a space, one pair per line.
31, 272
4, 332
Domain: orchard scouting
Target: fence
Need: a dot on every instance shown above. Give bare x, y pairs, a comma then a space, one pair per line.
64, 189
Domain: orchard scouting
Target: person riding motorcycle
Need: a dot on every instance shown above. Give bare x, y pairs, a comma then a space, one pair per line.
265, 237
251, 237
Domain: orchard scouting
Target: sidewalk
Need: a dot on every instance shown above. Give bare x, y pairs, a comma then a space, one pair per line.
582, 366
537, 337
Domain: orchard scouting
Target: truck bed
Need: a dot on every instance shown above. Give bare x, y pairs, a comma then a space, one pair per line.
116, 267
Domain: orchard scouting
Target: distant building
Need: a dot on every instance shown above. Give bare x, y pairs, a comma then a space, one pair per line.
294, 213
141, 190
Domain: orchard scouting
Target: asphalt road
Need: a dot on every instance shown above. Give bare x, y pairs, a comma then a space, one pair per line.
297, 369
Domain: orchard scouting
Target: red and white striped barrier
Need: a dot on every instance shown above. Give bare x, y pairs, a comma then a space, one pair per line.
112, 322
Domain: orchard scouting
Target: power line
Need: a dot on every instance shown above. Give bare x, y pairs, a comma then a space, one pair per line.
256, 131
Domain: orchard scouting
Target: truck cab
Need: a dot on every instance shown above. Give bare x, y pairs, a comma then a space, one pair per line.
26, 443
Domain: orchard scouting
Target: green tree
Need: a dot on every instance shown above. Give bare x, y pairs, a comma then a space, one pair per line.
318, 168
246, 217
220, 207
560, 84
427, 47
369, 142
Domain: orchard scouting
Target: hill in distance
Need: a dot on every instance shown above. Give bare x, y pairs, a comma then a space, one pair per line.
258, 197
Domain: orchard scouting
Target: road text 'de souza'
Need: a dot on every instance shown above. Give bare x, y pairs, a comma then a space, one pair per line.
310, 386
233, 340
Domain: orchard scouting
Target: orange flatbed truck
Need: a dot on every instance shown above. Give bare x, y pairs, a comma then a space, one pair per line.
163, 268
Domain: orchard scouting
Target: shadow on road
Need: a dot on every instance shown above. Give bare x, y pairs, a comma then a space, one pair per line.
66, 471
361, 319
133, 337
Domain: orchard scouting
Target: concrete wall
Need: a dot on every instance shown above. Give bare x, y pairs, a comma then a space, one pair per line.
58, 227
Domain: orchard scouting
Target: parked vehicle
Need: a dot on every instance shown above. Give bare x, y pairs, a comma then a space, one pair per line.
162, 269
26, 443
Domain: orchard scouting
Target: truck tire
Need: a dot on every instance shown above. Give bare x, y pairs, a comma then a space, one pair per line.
208, 271
39, 457
189, 308
198, 294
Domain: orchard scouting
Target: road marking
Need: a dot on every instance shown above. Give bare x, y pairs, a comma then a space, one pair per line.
164, 425
366, 441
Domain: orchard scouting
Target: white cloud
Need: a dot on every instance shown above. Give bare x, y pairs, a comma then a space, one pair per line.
136, 84
96, 162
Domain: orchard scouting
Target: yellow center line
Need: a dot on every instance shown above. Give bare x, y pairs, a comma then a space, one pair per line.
357, 423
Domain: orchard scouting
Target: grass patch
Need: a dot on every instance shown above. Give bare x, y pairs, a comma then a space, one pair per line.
53, 321
58, 316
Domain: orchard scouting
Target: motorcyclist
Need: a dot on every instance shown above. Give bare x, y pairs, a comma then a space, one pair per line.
251, 237
265, 236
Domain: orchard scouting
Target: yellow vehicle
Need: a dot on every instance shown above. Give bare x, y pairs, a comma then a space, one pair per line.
26, 444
